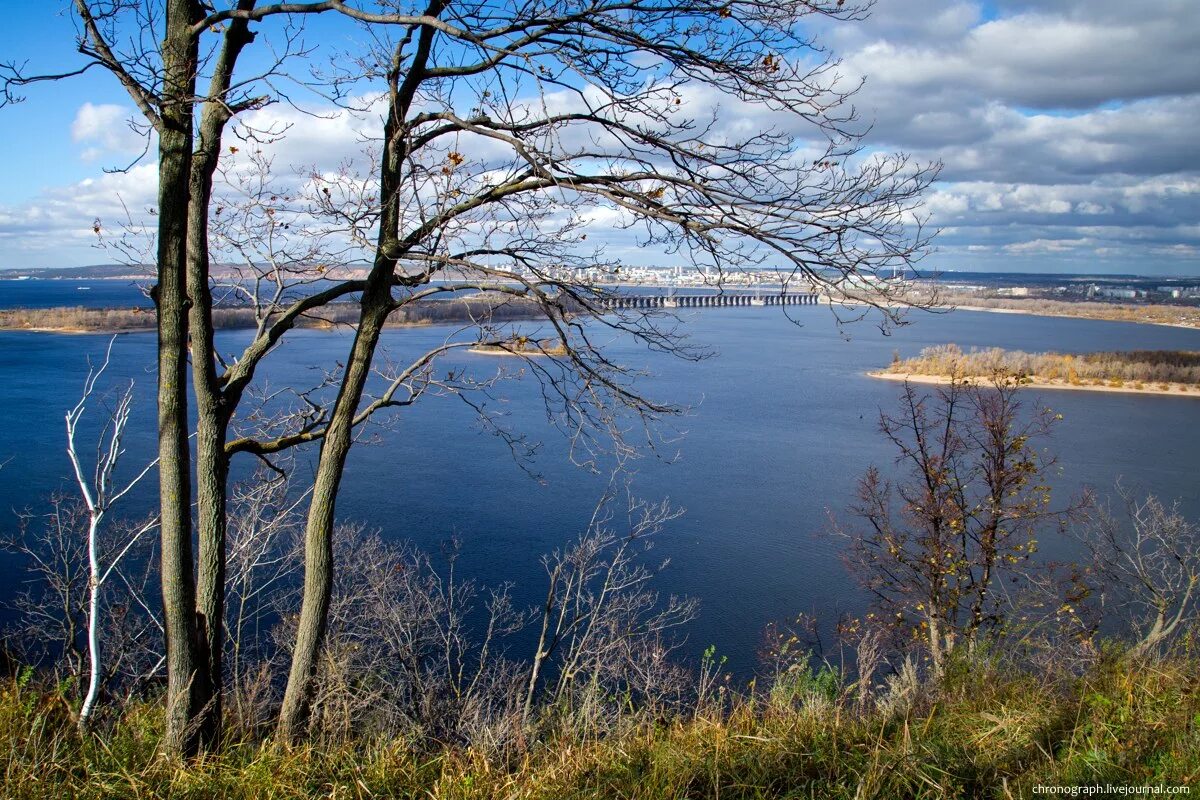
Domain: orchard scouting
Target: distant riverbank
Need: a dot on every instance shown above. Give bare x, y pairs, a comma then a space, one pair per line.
1117, 314
1168, 316
78, 319
1147, 314
129, 319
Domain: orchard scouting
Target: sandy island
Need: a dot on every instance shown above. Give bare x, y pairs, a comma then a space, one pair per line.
498, 350
1034, 382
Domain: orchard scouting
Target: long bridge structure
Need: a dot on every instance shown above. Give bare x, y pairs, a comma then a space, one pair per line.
670, 299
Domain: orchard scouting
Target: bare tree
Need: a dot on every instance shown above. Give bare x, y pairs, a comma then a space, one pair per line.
612, 138
601, 622
504, 129
159, 52
100, 492
938, 546
58, 616
161, 78
1146, 568
414, 651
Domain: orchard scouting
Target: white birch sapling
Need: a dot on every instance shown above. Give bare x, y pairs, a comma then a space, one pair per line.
100, 492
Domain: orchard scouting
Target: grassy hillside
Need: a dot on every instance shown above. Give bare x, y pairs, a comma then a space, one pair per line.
990, 731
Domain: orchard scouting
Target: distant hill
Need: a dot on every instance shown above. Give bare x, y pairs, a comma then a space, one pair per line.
89, 273
97, 272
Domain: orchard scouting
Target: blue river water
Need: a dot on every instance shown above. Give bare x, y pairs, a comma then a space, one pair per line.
782, 422
90, 294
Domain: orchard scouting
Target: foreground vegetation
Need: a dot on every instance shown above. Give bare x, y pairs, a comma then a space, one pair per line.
1146, 370
990, 730
77, 319
979, 670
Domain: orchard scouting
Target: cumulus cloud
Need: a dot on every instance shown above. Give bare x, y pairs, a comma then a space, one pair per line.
105, 129
1066, 129
58, 226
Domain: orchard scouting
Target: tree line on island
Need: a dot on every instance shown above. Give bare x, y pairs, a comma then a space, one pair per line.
1135, 369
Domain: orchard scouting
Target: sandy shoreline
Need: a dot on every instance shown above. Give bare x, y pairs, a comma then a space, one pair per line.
1035, 383
495, 350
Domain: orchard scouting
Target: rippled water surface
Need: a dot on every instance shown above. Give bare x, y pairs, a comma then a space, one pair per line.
782, 422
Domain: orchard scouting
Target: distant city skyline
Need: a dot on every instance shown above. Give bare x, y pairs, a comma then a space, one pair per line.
1066, 129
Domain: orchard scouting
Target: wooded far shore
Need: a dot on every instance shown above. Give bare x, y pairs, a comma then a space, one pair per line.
77, 319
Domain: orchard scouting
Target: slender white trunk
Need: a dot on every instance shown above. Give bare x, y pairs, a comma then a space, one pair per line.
99, 494
935, 644
94, 581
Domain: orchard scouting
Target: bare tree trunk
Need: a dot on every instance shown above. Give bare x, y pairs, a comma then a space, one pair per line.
212, 466
1162, 629
542, 651
376, 304
89, 701
170, 295
212, 407
935, 644
211, 483
318, 531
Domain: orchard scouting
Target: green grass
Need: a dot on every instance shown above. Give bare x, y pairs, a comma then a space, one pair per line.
987, 732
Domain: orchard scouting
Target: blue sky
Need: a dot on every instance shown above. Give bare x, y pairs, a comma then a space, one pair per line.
1067, 129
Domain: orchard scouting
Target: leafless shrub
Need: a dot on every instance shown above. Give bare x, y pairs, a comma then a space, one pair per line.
264, 558
51, 609
414, 651
418, 653
602, 625
1144, 570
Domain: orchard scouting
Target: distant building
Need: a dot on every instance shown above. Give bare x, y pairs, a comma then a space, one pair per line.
1119, 293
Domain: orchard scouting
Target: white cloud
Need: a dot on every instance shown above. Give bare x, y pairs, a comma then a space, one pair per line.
1046, 246
1066, 129
1050, 116
57, 227
106, 130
